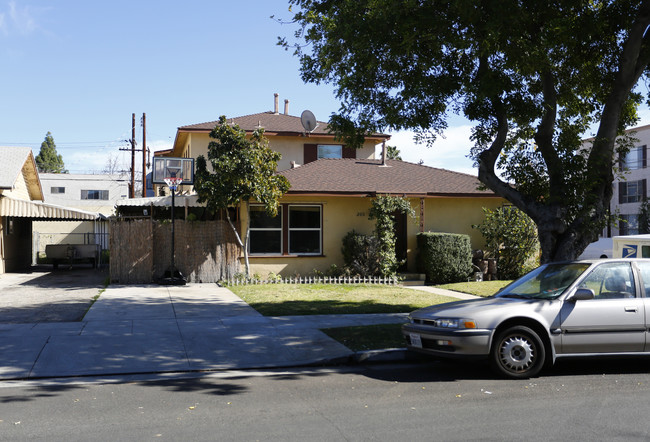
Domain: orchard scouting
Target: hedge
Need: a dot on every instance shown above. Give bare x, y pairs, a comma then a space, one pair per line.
444, 257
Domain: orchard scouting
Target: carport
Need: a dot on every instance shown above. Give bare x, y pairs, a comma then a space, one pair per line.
16, 228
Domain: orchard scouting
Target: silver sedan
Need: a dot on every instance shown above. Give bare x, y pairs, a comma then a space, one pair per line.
570, 309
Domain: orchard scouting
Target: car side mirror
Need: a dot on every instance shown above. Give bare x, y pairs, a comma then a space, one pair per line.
582, 295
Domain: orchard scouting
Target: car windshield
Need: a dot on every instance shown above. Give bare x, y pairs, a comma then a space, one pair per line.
545, 282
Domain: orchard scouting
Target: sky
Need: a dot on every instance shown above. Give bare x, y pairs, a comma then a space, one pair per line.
79, 69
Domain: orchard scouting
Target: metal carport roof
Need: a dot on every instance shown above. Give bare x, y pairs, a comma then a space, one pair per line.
30, 209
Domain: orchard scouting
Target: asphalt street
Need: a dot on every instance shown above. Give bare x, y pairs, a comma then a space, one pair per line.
581, 401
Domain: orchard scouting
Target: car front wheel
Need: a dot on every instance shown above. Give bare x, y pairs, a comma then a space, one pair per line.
518, 352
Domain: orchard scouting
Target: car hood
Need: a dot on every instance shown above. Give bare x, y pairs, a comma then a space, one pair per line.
471, 308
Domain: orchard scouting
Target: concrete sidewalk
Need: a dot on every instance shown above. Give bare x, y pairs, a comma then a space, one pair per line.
153, 329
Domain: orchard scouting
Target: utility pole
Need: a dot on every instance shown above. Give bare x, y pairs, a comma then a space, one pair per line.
144, 155
132, 155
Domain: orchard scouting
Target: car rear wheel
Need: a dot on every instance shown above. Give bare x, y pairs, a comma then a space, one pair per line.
518, 352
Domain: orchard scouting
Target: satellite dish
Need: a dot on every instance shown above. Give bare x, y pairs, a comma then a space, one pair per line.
308, 121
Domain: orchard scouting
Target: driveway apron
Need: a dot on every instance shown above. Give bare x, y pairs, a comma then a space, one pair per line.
153, 329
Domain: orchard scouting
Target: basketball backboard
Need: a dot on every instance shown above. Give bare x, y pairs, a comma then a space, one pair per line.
166, 167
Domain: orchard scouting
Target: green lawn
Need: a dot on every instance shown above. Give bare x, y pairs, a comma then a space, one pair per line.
483, 288
333, 299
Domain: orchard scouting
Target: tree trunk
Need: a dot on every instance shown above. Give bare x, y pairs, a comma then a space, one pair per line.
241, 244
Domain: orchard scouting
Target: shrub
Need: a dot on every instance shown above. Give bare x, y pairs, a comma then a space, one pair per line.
361, 254
444, 257
510, 237
383, 210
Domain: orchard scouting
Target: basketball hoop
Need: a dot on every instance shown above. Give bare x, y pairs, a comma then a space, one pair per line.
173, 182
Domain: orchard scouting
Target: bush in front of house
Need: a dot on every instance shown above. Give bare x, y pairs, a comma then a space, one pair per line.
510, 237
444, 257
361, 254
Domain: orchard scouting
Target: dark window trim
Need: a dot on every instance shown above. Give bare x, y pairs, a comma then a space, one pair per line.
284, 212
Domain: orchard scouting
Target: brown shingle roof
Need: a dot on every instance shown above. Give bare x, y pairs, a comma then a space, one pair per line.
272, 123
354, 176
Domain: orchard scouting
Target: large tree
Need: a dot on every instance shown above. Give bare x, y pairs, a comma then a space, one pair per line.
48, 160
242, 170
535, 77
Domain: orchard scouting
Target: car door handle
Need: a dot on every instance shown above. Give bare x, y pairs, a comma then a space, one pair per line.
631, 309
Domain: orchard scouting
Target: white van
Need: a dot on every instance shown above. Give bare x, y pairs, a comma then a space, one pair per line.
598, 249
632, 246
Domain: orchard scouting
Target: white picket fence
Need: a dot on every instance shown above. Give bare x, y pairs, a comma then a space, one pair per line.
391, 280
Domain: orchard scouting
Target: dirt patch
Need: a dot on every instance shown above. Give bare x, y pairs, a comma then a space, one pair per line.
46, 295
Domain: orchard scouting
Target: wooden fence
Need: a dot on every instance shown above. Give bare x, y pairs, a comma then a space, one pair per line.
140, 250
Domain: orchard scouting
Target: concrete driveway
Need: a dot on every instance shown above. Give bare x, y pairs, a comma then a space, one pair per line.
151, 329
44, 295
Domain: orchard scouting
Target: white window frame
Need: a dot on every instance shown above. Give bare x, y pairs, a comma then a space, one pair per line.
101, 193
266, 229
318, 229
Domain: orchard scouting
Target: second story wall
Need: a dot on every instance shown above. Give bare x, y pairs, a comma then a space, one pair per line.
93, 193
292, 149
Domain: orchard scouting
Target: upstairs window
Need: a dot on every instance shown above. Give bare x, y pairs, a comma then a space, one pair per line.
94, 194
631, 191
330, 151
314, 152
57, 190
636, 158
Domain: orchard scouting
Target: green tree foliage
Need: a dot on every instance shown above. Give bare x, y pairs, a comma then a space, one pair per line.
383, 210
533, 76
242, 170
393, 153
47, 160
510, 237
361, 254
644, 217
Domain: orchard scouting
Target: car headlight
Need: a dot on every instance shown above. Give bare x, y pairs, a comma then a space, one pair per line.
455, 323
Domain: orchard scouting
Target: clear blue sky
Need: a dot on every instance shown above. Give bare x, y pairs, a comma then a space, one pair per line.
80, 68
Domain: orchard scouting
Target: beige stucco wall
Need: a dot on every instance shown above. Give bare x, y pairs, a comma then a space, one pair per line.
61, 232
343, 214
291, 148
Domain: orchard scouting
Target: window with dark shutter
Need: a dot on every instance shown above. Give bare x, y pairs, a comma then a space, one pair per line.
310, 153
349, 152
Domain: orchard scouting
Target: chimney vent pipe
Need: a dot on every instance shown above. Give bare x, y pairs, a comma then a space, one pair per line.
276, 100
286, 107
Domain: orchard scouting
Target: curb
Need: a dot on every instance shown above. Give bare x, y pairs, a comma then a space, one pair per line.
385, 355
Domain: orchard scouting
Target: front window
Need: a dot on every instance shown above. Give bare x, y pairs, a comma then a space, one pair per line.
57, 190
546, 282
330, 151
94, 194
299, 234
265, 232
305, 230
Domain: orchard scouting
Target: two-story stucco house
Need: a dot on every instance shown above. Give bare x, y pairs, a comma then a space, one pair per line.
332, 187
